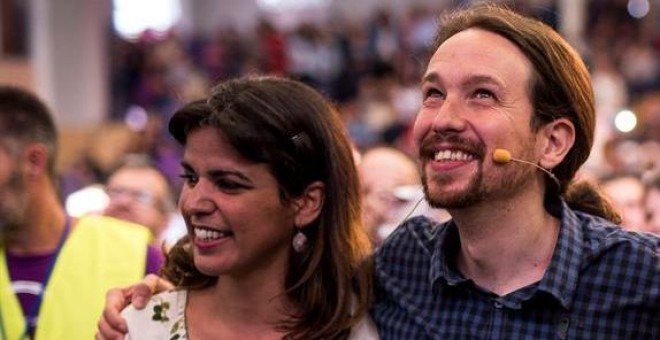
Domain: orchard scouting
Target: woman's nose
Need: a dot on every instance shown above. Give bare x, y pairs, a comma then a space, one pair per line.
197, 199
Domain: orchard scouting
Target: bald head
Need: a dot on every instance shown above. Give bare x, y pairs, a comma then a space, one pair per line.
388, 165
627, 195
382, 171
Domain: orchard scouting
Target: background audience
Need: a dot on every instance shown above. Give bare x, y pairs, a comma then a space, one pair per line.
138, 192
391, 189
627, 193
371, 70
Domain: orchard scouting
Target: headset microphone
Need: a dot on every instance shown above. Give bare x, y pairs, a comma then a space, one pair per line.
503, 156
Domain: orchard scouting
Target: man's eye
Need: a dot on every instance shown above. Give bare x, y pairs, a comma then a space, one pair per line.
433, 93
483, 94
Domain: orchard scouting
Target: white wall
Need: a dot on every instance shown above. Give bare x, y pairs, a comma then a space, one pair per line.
68, 54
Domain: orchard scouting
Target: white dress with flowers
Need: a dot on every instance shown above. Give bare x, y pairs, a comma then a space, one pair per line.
164, 318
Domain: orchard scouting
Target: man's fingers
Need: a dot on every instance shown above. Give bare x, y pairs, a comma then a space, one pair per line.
149, 286
112, 326
115, 301
164, 285
105, 332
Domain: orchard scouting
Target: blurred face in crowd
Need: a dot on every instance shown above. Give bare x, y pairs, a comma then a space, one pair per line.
13, 198
233, 209
653, 209
475, 100
627, 195
138, 195
382, 171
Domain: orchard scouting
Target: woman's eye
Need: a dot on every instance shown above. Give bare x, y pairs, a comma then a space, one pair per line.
189, 179
229, 185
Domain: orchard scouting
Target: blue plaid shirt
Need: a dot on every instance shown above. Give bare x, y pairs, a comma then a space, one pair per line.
602, 283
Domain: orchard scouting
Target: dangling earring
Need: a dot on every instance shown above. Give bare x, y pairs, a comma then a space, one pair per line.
299, 241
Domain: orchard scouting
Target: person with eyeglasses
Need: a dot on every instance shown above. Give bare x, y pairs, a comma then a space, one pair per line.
138, 192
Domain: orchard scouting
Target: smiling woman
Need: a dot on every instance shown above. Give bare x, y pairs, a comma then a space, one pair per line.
275, 248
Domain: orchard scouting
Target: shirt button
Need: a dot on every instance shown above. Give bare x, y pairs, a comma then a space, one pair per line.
497, 304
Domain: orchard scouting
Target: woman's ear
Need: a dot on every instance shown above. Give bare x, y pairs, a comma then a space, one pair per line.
559, 137
308, 205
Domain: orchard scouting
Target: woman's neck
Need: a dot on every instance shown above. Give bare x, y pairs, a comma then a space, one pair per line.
238, 309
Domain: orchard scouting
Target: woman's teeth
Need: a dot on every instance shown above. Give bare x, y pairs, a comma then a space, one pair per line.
209, 234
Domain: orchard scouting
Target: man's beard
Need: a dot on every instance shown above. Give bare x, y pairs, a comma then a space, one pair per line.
456, 200
479, 188
12, 209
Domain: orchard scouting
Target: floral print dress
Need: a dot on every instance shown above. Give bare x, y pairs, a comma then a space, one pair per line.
162, 318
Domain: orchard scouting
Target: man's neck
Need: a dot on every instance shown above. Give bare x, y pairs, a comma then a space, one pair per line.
506, 245
43, 226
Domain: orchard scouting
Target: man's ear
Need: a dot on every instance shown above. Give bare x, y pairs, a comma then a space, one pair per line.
558, 139
35, 160
308, 205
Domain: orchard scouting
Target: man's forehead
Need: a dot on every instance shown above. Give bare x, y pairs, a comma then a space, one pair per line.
480, 49
138, 178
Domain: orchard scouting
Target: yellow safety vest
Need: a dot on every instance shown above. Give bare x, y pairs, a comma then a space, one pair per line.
99, 254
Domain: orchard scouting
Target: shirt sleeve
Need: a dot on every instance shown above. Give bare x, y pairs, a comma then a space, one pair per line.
155, 260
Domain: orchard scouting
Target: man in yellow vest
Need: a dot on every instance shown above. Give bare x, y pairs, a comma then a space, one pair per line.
54, 270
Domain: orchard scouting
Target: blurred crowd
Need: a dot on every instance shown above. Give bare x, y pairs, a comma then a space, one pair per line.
371, 70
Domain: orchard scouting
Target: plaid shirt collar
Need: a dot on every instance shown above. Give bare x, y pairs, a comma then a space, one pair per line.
559, 280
